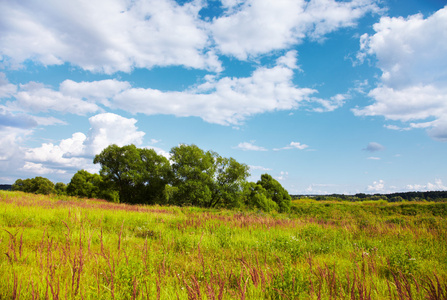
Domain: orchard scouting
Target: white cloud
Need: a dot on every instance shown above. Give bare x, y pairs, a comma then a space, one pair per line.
76, 152
96, 91
39, 169
160, 151
293, 145
249, 146
107, 129
105, 35
282, 176
35, 97
11, 154
256, 27
377, 187
330, 104
380, 187
225, 101
259, 168
437, 186
411, 55
374, 147
64, 155
374, 158
8, 119
316, 188
6, 89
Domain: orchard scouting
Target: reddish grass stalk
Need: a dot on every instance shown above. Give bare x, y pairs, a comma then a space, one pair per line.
435, 290
312, 289
16, 288
135, 291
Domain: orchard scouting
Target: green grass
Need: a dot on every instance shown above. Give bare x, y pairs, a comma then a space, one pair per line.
67, 248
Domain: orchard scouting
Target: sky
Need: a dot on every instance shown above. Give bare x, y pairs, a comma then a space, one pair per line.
326, 96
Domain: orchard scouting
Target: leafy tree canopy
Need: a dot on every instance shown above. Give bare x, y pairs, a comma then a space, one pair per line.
204, 178
139, 175
276, 192
37, 185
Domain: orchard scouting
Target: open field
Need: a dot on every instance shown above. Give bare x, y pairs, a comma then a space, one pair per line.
54, 247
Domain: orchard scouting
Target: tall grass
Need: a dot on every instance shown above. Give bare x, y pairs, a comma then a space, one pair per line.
68, 248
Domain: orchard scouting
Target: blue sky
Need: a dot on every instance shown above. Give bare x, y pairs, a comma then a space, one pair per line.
326, 96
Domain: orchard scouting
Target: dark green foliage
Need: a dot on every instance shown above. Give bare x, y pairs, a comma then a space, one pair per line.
276, 192
139, 175
435, 196
87, 185
193, 177
5, 187
60, 188
205, 179
255, 196
37, 185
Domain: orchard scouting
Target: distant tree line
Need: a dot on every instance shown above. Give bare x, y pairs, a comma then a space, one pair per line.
191, 176
393, 197
5, 187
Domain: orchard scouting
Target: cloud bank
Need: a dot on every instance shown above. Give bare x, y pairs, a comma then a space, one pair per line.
411, 53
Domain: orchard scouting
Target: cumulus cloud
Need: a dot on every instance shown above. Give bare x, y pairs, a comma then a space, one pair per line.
282, 176
117, 35
225, 101
259, 168
374, 147
108, 128
8, 119
35, 97
77, 151
380, 187
293, 145
377, 187
106, 36
254, 27
249, 146
11, 153
6, 89
39, 169
437, 186
411, 55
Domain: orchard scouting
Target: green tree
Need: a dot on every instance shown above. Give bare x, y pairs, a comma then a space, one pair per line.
84, 184
21, 185
37, 185
139, 175
255, 196
276, 192
60, 188
203, 178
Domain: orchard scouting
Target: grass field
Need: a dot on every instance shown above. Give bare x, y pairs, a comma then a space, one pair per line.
54, 247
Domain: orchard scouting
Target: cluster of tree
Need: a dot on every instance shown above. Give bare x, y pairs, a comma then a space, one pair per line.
39, 185
5, 187
192, 177
394, 197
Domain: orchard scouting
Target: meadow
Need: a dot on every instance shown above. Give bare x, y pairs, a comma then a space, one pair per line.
59, 247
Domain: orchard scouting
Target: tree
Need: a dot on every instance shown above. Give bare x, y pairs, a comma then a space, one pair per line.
87, 185
60, 188
203, 178
139, 175
84, 184
37, 185
276, 192
255, 196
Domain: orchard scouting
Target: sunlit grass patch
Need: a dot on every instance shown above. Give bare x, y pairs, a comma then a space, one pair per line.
90, 249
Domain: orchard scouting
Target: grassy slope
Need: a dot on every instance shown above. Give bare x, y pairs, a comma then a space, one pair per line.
60, 247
